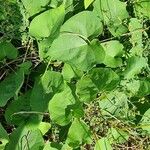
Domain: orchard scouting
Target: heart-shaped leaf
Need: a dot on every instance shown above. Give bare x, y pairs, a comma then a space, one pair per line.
78, 133
78, 53
113, 13
47, 23
59, 109
11, 86
113, 50
98, 80
85, 23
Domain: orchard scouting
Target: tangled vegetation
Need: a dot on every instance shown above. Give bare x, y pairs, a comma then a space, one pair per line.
75, 74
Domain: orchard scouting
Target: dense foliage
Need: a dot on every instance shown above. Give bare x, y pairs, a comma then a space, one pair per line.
74, 74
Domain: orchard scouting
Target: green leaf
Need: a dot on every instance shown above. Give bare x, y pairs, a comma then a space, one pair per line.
44, 127
99, 52
138, 88
38, 103
79, 133
66, 147
104, 78
33, 6
142, 8
98, 80
87, 3
144, 88
97, 9
113, 50
22, 137
44, 88
117, 136
145, 121
69, 6
4, 139
47, 23
70, 72
77, 53
103, 144
82, 55
113, 13
43, 45
59, 106
135, 28
52, 146
7, 50
77, 109
52, 82
55, 3
117, 29
10, 86
16, 106
134, 66
26, 66
85, 24
132, 86
86, 89
114, 104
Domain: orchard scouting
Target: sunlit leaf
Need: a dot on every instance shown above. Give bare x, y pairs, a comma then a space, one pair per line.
135, 28
134, 66
47, 23
85, 24
87, 3
103, 144
78, 133
113, 12
70, 72
117, 136
113, 50
142, 8
114, 104
44, 127
33, 6
77, 53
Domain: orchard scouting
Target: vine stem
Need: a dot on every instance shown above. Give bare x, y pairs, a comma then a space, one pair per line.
126, 34
29, 112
